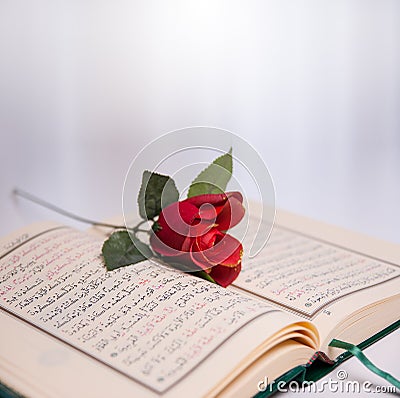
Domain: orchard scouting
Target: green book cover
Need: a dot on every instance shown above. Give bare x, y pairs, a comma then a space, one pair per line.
316, 368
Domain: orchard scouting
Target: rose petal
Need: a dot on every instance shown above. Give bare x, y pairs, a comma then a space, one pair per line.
178, 216
231, 213
198, 259
200, 228
163, 249
224, 276
226, 251
207, 211
215, 199
207, 240
175, 221
187, 244
211, 205
235, 194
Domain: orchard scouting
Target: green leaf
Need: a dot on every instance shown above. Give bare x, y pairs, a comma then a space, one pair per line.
204, 275
156, 192
119, 250
214, 178
156, 227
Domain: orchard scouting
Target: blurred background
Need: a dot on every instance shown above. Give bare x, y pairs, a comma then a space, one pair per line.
313, 85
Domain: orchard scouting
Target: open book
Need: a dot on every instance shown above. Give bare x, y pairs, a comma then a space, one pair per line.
69, 327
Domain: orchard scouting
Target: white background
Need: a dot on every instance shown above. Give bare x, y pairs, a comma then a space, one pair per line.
313, 85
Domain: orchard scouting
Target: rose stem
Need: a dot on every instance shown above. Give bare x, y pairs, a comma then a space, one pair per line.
50, 206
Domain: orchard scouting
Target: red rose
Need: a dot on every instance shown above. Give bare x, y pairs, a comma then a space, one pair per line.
193, 232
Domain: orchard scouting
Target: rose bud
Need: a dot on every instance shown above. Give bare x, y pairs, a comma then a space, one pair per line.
193, 232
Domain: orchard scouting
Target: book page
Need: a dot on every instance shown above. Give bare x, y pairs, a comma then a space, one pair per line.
149, 323
304, 274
